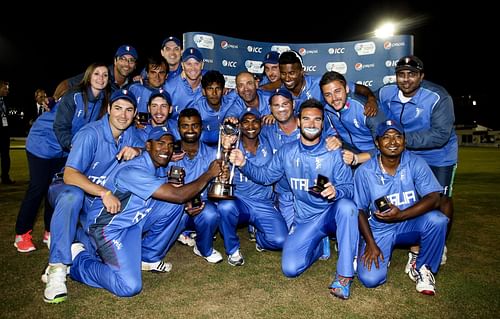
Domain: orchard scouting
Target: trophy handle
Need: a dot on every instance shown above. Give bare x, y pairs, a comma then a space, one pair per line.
231, 175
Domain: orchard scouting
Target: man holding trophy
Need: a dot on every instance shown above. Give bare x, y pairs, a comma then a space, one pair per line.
196, 159
253, 202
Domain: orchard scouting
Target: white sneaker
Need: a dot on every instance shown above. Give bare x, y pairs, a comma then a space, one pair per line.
159, 266
411, 263
426, 284
186, 239
236, 259
444, 256
55, 290
214, 258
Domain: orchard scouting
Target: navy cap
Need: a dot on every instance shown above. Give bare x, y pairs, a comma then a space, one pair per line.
123, 94
387, 125
271, 57
192, 53
160, 92
411, 63
249, 110
157, 132
173, 39
283, 92
126, 49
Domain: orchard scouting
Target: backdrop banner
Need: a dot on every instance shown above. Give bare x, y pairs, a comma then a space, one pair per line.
370, 62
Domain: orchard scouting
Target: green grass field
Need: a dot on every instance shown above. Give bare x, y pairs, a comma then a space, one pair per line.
468, 286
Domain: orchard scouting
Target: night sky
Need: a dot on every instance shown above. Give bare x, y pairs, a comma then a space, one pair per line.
45, 56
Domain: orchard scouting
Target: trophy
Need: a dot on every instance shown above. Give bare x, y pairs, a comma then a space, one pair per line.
176, 175
224, 188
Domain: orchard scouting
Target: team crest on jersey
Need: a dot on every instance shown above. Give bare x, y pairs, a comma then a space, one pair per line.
117, 244
95, 165
418, 111
318, 163
264, 152
356, 123
297, 162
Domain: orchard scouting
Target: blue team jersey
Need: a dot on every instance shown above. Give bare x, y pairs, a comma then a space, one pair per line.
427, 119
183, 95
246, 188
276, 139
134, 183
94, 149
413, 180
353, 127
212, 119
41, 140
142, 94
310, 90
196, 166
301, 165
263, 97
73, 113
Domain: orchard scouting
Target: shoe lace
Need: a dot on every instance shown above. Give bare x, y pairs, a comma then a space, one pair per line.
27, 236
426, 275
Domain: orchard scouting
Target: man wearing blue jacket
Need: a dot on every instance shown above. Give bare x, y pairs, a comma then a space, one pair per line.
412, 194
425, 111
319, 213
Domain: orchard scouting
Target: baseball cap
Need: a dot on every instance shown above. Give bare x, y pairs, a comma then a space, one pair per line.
173, 39
157, 132
271, 57
126, 49
160, 92
192, 53
123, 94
411, 63
387, 125
283, 92
249, 110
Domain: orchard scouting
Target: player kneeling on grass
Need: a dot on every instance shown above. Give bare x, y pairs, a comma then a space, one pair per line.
411, 216
146, 225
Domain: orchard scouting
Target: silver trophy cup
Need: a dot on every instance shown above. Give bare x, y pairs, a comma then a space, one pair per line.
224, 188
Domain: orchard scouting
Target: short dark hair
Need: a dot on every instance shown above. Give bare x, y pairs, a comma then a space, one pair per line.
331, 76
290, 57
212, 76
189, 112
312, 104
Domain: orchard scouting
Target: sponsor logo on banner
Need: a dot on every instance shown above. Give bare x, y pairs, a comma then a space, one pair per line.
280, 48
336, 50
204, 41
389, 45
391, 63
340, 67
229, 64
389, 79
365, 48
226, 45
253, 49
230, 81
368, 83
303, 51
360, 66
309, 68
253, 66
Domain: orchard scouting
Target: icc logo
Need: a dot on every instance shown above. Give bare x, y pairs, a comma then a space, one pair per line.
229, 64
390, 63
254, 49
310, 68
368, 83
336, 50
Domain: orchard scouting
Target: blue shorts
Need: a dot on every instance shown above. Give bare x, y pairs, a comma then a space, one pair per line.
445, 176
